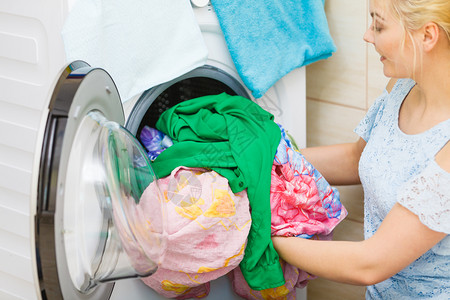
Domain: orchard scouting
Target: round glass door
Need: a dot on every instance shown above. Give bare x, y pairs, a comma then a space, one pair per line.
107, 234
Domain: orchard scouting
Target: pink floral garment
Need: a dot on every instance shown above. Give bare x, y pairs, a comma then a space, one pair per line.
296, 206
302, 202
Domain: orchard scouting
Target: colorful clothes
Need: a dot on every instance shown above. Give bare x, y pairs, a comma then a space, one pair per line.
303, 204
294, 277
238, 139
302, 201
398, 167
207, 227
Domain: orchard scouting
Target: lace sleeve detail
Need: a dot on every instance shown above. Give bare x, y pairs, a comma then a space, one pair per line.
428, 196
364, 129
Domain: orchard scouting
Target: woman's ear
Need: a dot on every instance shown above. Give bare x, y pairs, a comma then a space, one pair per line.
430, 35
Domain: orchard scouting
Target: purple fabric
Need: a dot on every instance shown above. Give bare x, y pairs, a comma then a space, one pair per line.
154, 141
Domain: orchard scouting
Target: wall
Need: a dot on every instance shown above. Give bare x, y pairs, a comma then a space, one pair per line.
339, 92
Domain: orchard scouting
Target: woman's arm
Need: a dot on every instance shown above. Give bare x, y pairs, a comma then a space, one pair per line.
337, 163
400, 240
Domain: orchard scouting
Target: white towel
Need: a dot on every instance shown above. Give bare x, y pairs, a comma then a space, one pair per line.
140, 43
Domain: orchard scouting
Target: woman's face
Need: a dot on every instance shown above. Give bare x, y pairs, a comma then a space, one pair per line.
387, 35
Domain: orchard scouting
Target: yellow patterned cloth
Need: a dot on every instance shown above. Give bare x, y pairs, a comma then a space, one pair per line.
207, 227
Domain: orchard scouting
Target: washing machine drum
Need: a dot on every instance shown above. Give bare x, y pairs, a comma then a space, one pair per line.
93, 171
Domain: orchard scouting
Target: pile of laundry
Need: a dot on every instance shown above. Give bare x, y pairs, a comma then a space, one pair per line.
230, 179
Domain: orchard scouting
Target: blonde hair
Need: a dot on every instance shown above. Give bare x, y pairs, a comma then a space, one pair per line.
414, 14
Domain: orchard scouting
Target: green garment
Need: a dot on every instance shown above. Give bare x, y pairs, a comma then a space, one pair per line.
238, 139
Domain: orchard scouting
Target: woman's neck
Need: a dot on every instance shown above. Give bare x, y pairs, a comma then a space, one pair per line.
428, 103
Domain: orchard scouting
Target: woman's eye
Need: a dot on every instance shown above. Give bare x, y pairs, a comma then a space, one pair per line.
377, 28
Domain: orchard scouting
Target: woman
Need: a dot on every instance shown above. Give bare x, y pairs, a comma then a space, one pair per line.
402, 159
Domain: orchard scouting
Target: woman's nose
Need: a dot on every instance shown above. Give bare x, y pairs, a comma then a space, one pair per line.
368, 36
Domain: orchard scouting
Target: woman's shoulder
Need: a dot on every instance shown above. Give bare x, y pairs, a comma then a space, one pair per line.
443, 158
428, 193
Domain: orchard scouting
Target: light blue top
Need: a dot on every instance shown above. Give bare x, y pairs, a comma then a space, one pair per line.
397, 167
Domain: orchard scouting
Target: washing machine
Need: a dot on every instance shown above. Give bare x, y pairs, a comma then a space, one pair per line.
53, 112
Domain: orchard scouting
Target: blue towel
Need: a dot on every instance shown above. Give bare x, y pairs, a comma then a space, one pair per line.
268, 39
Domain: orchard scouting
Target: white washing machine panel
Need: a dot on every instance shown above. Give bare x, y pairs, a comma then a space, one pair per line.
31, 60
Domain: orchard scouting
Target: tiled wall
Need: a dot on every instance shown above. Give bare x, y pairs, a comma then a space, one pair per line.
339, 92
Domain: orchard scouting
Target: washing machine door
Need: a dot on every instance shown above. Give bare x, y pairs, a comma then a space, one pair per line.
92, 174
